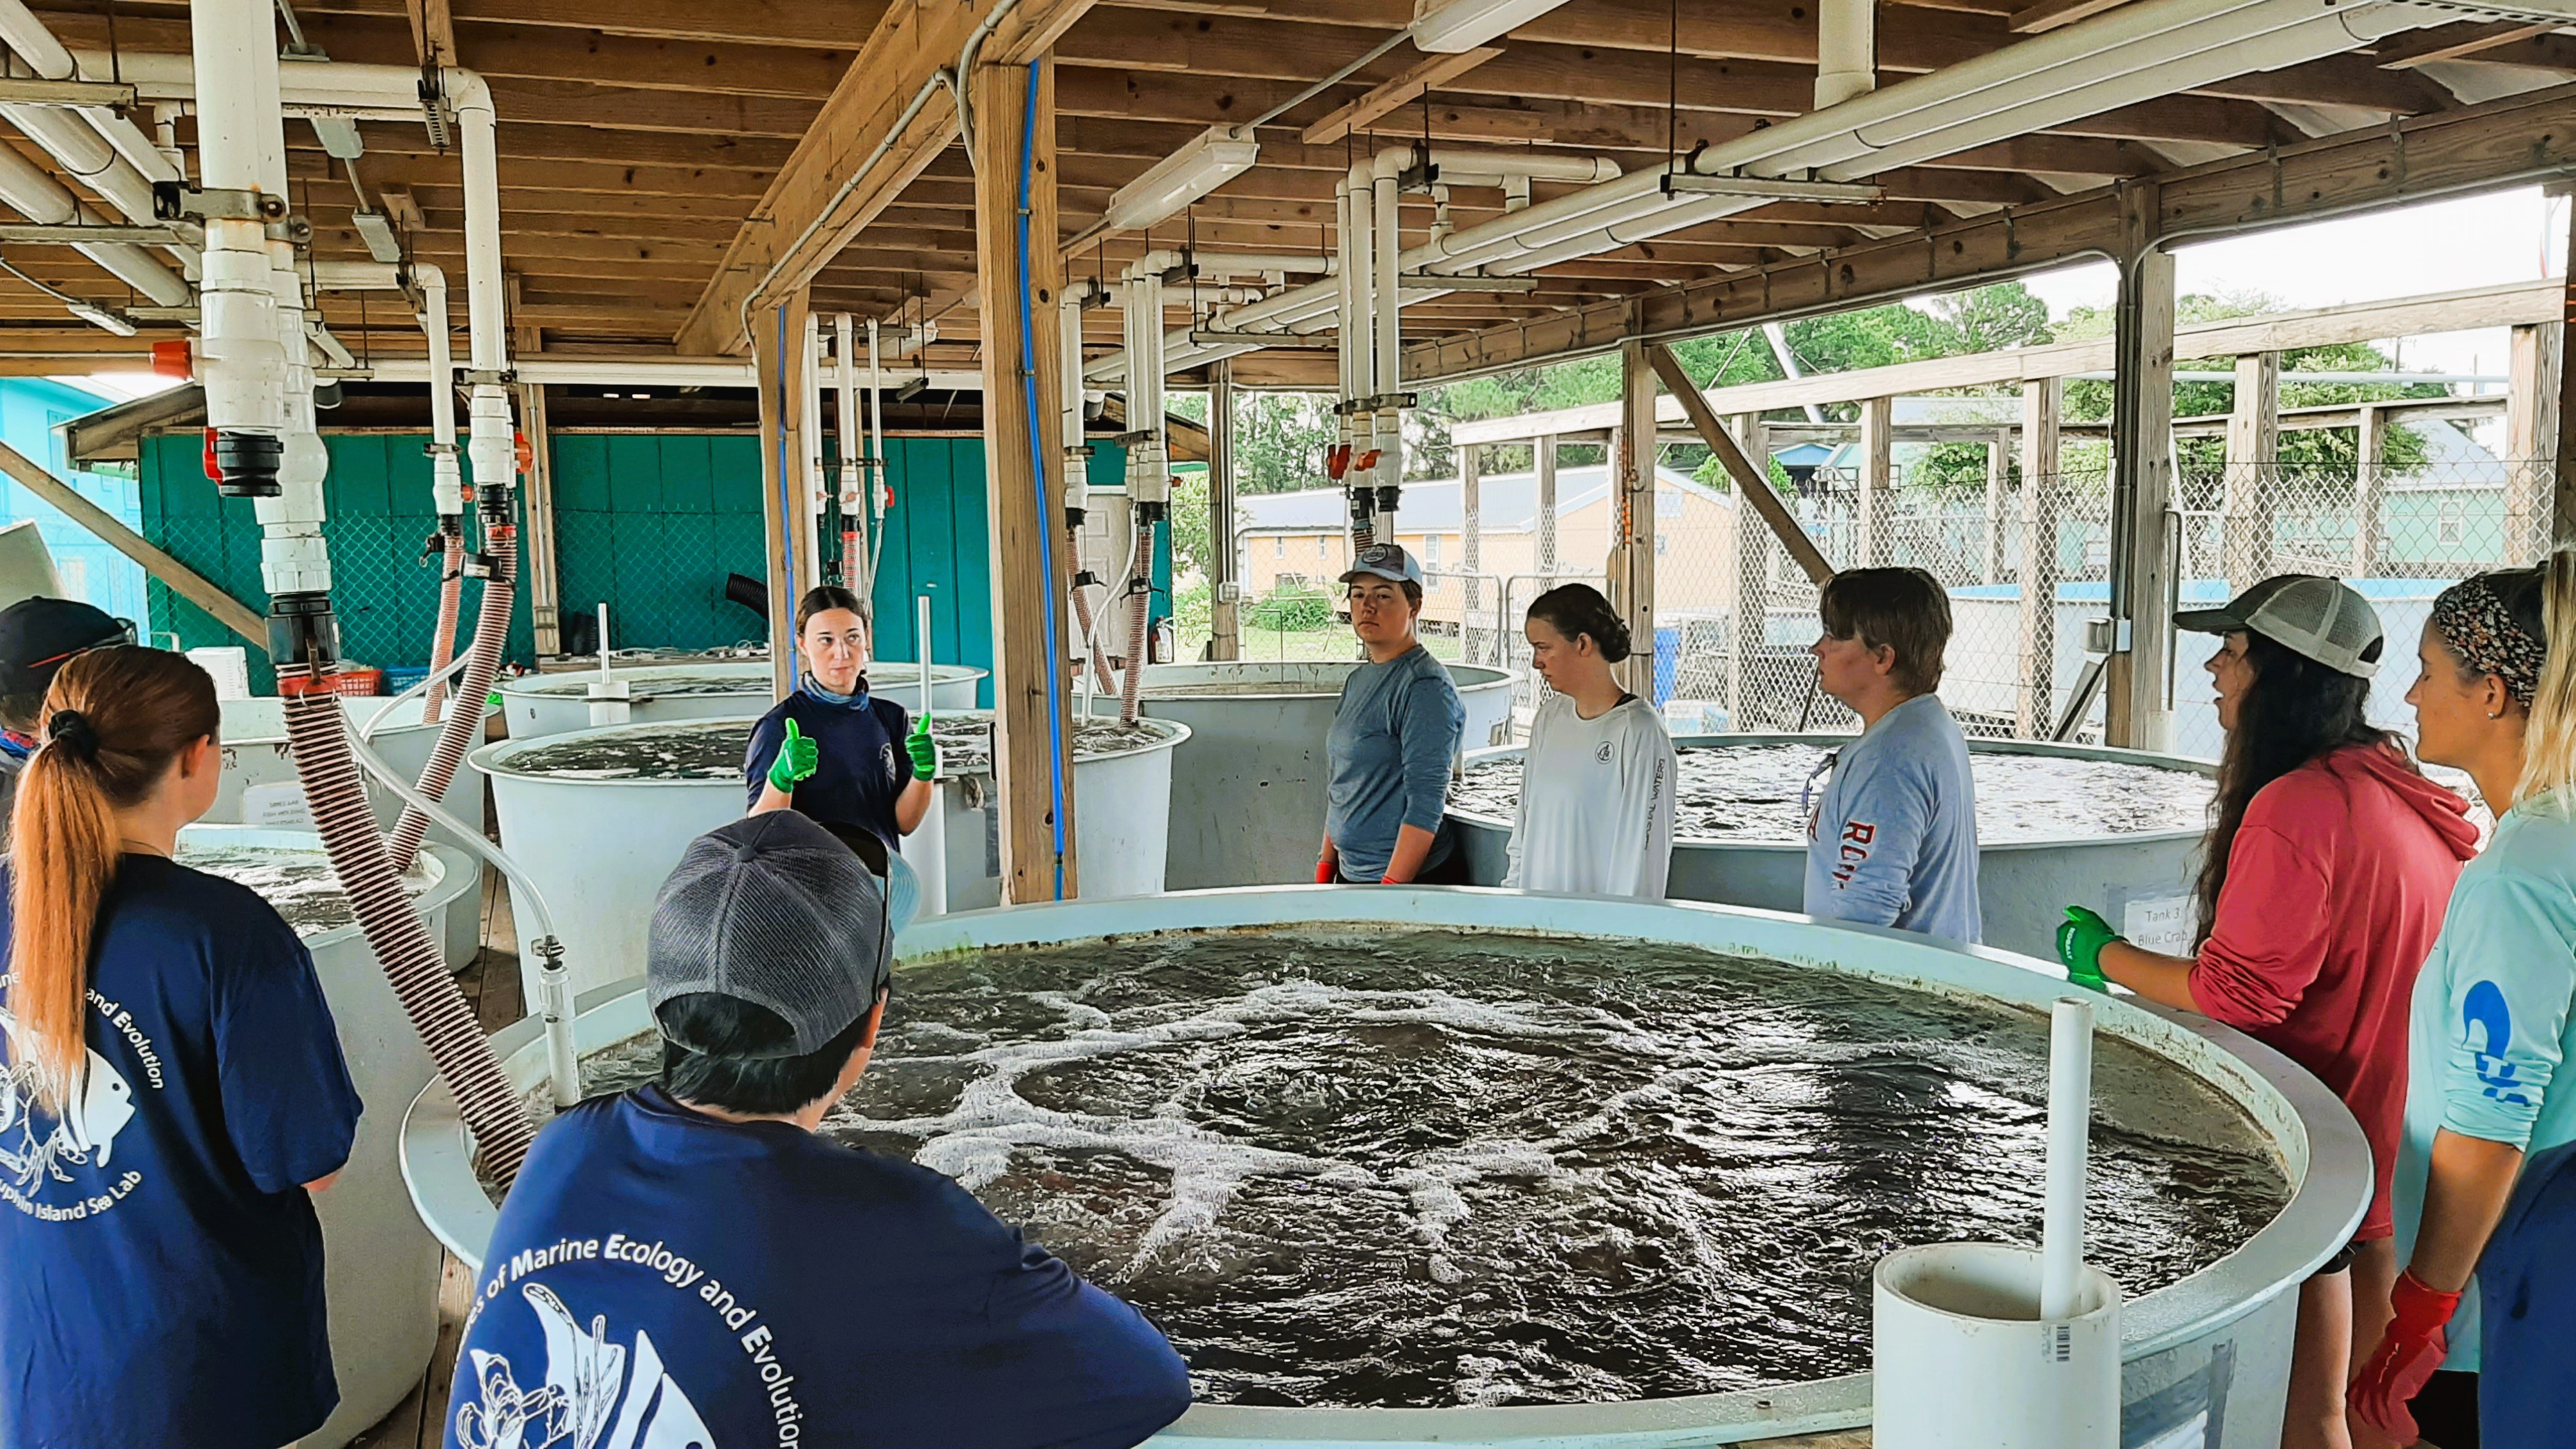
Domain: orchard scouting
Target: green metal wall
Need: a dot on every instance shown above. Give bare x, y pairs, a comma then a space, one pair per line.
649, 523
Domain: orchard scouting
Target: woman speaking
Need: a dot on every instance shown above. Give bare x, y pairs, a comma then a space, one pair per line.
831, 752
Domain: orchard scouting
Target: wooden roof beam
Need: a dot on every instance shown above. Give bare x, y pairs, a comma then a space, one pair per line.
1426, 74
870, 141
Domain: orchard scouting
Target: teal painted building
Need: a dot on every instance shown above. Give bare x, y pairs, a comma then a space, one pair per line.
31, 409
650, 524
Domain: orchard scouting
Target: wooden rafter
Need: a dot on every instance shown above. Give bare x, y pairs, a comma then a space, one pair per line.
1401, 89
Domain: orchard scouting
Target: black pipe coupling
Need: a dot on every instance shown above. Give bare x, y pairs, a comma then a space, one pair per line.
246, 464
303, 632
493, 499
1151, 513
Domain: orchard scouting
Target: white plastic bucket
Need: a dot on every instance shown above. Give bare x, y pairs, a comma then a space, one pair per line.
1962, 1360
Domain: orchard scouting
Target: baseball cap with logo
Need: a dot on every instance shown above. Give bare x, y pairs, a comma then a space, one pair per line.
773, 911
1384, 561
38, 634
2317, 618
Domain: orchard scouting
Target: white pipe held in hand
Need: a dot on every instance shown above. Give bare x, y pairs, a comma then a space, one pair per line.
2070, 1123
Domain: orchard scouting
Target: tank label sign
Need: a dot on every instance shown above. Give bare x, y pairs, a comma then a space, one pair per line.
2162, 926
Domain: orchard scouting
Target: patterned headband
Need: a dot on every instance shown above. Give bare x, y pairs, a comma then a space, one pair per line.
2474, 620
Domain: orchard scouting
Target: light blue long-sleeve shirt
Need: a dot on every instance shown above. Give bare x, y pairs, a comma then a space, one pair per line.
2491, 1019
1892, 840
1394, 737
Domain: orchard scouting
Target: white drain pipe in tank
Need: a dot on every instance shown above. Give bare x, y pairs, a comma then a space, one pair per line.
926, 848
1985, 1346
608, 694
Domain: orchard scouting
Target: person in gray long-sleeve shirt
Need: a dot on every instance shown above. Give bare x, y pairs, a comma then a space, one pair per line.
1892, 838
1394, 739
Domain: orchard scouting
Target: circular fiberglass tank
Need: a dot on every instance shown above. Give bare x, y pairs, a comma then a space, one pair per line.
2117, 830
256, 753
598, 818
1535, 1069
1248, 788
379, 1268
554, 704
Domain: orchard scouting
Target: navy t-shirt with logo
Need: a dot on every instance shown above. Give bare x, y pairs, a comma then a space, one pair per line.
860, 765
660, 1279
163, 1266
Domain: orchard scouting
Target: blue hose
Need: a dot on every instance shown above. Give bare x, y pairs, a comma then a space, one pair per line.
1037, 476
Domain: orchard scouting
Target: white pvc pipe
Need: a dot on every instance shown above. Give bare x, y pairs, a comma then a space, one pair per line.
876, 480
26, 34
2070, 1125
926, 848
29, 190
491, 438
809, 421
1846, 50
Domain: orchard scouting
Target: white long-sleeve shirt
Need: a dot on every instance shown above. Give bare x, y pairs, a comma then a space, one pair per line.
1596, 811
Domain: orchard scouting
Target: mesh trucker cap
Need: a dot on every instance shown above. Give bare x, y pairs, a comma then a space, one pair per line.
774, 911
2318, 618
1384, 561
38, 634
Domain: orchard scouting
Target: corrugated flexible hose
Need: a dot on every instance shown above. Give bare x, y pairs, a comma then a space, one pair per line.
317, 732
1082, 618
1140, 577
482, 661
442, 649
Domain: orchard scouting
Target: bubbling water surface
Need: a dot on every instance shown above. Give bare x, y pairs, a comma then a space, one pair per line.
1426, 1168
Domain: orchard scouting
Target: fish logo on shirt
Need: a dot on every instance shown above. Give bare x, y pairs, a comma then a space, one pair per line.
589, 1400
2487, 1022
87, 1125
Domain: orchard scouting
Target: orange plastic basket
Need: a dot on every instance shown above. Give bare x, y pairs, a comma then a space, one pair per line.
358, 681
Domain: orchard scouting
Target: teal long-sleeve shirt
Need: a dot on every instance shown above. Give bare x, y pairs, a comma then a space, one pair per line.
2493, 1017
1394, 737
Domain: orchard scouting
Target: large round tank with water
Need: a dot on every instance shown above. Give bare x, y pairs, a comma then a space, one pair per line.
1248, 789
598, 817
380, 1267
1485, 1224
2117, 830
256, 756
554, 704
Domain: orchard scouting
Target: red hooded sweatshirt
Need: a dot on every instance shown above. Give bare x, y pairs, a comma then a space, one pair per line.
2335, 889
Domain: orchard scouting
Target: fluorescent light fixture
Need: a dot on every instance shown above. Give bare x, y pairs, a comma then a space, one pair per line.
1449, 26
101, 318
1210, 160
912, 389
377, 231
339, 137
1684, 183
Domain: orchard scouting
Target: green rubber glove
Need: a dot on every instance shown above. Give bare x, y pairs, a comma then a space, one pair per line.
798, 758
2080, 939
923, 749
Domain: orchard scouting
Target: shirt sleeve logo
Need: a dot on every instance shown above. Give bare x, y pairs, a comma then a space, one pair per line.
2486, 1024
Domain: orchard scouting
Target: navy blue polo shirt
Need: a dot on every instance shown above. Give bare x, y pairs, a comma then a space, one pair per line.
676, 1279
163, 1279
861, 765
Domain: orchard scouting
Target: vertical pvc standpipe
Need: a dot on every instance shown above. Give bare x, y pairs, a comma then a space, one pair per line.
811, 494
1149, 484
927, 846
2070, 1121
850, 492
1387, 383
243, 366
609, 694
490, 449
447, 485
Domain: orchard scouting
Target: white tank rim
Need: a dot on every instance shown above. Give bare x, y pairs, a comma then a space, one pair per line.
494, 758
358, 707
455, 873
2324, 1153
2149, 759
754, 673
1485, 677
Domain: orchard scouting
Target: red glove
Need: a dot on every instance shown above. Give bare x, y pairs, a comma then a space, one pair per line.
2406, 1359
1326, 872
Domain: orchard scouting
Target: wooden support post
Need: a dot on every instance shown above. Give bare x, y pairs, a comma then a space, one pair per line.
2368, 484
1632, 549
1749, 611
778, 363
2138, 712
1544, 447
1751, 484
2562, 492
1471, 552
2531, 437
1877, 476
1998, 467
1014, 107
2253, 447
1225, 571
2043, 503
543, 560
184, 581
